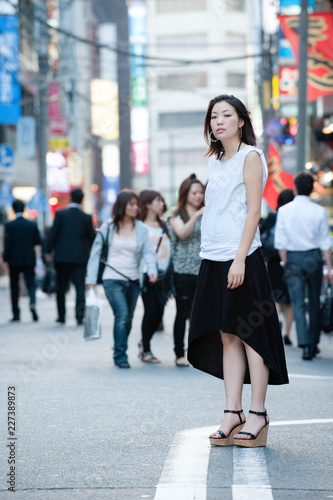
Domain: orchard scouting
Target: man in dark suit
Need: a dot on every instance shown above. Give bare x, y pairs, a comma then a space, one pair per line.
21, 237
70, 238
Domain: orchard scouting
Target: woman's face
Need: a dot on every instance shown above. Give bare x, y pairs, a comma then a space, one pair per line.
156, 206
132, 208
224, 121
195, 195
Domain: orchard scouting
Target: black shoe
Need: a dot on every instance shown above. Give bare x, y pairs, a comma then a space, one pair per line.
123, 364
34, 314
315, 351
80, 322
61, 321
15, 318
287, 340
307, 353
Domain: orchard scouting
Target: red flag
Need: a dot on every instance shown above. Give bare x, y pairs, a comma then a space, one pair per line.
278, 179
320, 50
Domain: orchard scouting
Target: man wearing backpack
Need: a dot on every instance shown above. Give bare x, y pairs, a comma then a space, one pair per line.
301, 235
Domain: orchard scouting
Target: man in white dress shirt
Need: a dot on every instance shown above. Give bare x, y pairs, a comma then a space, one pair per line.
301, 235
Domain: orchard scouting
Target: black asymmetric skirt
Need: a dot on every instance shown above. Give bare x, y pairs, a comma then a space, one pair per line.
247, 311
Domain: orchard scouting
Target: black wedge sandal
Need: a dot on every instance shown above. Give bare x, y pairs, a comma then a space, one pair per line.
224, 440
254, 441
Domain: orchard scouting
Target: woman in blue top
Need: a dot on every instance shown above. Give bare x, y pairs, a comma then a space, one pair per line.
234, 330
129, 243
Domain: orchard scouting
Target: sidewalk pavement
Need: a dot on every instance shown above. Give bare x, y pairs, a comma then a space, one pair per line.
46, 308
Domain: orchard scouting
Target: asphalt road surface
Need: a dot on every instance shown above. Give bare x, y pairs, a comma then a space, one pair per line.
85, 429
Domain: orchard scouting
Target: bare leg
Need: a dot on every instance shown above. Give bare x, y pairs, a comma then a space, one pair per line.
259, 374
289, 315
234, 366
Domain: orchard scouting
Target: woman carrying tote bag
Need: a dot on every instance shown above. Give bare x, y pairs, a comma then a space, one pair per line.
129, 243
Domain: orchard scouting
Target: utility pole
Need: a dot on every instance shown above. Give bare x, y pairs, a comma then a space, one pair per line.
43, 63
302, 87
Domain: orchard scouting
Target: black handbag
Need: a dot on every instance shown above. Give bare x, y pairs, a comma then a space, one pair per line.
104, 255
326, 319
49, 284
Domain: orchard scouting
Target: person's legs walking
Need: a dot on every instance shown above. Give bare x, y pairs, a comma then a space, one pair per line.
29, 278
184, 299
153, 313
315, 276
115, 291
78, 277
63, 272
14, 291
296, 287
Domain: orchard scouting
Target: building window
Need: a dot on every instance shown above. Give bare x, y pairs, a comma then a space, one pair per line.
170, 43
183, 80
164, 6
238, 5
184, 119
182, 157
236, 80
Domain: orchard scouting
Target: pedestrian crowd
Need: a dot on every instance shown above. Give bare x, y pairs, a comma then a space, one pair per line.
232, 274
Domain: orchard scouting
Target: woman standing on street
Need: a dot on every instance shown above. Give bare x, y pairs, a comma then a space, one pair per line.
129, 243
186, 234
152, 207
234, 332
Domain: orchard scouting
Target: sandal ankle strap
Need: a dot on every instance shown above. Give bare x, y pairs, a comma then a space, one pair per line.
260, 414
238, 412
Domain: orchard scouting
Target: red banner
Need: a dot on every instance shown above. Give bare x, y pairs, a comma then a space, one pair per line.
278, 179
320, 50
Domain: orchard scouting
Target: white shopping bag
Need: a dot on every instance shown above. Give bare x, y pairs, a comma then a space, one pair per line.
92, 317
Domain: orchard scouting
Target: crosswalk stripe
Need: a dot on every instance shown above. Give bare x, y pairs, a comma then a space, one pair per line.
250, 479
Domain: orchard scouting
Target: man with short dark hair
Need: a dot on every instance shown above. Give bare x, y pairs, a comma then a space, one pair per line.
70, 238
302, 234
21, 238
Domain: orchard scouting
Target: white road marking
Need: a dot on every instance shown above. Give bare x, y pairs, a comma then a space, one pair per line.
316, 377
184, 475
250, 481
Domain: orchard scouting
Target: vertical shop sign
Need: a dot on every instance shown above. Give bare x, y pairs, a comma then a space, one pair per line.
10, 90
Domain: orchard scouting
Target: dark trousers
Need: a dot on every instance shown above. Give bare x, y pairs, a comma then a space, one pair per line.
152, 317
29, 278
185, 288
305, 270
77, 273
122, 296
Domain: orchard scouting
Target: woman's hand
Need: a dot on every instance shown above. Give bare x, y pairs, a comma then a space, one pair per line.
88, 287
153, 278
236, 274
199, 213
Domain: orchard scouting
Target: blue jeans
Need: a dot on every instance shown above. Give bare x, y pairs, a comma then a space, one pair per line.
305, 269
122, 296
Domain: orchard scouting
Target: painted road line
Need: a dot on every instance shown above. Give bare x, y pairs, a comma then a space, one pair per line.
316, 377
184, 475
250, 480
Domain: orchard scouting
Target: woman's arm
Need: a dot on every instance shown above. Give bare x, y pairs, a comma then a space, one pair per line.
253, 174
183, 230
95, 255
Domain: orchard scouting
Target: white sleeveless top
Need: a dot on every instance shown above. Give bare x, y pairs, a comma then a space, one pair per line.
226, 207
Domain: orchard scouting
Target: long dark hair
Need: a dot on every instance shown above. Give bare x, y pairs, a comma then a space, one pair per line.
146, 197
118, 210
182, 196
248, 135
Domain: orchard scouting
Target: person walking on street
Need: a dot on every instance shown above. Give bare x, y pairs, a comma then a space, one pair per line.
128, 243
21, 238
70, 238
234, 330
152, 207
302, 234
185, 224
274, 267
